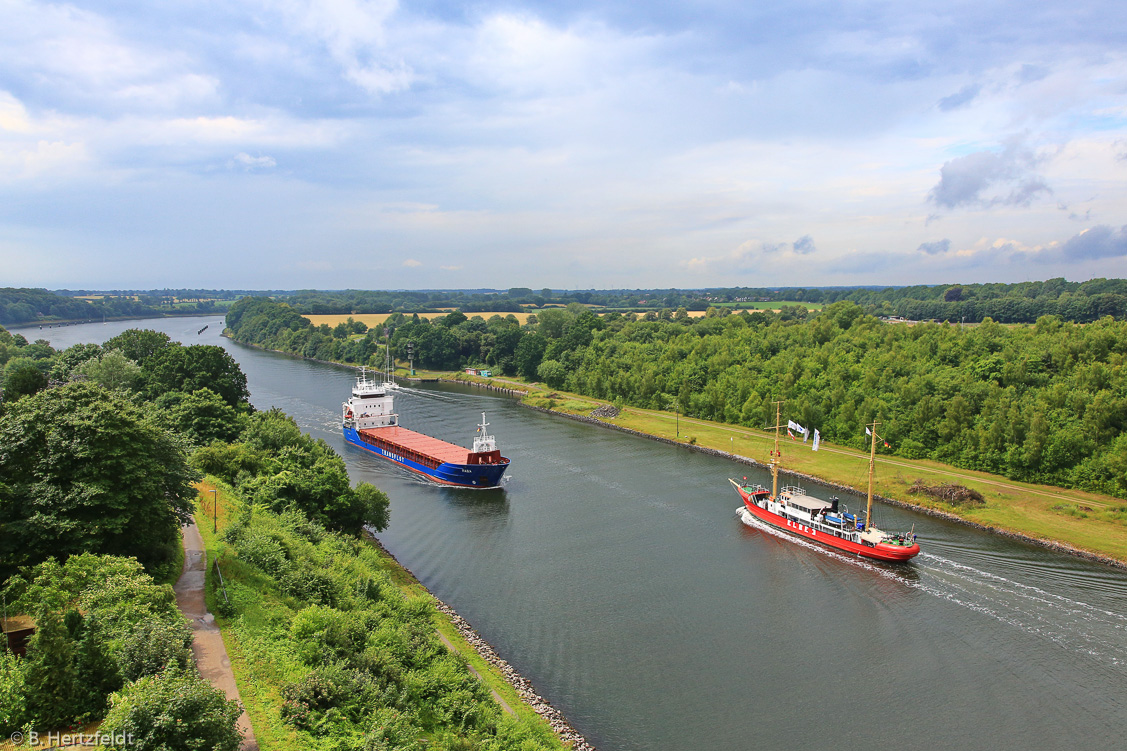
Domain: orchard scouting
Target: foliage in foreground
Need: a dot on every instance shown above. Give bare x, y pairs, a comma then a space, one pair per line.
104, 626
357, 665
83, 469
172, 710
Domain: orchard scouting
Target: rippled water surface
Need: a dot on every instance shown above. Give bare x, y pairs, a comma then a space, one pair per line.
613, 572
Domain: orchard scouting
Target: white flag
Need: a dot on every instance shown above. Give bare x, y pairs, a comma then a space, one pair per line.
868, 432
794, 426
817, 439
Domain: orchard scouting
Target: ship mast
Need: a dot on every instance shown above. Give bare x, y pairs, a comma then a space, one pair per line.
872, 461
776, 453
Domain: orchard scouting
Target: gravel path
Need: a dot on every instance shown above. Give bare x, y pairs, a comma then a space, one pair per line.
207, 643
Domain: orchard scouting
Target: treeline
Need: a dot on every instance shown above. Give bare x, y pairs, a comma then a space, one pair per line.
448, 342
1025, 302
1045, 403
26, 306
18, 306
344, 302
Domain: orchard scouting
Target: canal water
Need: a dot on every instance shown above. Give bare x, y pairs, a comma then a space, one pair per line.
612, 572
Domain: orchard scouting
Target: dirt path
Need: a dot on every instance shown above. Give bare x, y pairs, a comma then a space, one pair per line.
497, 696
207, 643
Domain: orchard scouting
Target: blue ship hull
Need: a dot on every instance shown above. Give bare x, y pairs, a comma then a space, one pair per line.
447, 473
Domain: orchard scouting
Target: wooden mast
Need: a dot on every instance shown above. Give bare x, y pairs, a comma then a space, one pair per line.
775, 454
872, 461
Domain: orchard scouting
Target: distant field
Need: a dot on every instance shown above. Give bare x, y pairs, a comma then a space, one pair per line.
775, 305
752, 307
375, 319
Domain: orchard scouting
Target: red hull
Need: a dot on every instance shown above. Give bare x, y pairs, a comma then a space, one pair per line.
880, 552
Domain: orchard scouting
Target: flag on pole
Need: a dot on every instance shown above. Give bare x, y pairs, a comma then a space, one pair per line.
792, 425
789, 434
868, 432
805, 435
817, 439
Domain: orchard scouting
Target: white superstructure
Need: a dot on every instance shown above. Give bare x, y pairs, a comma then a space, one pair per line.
371, 404
483, 441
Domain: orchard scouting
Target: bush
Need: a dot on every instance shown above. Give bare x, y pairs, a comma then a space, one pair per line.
263, 552
155, 646
910, 449
326, 696
173, 711
13, 702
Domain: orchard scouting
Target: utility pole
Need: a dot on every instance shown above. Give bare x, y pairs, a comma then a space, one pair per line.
214, 513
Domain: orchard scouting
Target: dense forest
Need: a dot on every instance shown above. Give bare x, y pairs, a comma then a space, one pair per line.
100, 447
1044, 403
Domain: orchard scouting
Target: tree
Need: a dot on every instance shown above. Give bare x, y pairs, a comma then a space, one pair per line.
553, 373
100, 621
374, 505
198, 366
21, 378
71, 357
84, 470
202, 416
113, 370
280, 467
529, 353
13, 693
139, 344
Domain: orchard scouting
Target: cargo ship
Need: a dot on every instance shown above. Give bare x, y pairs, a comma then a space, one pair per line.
370, 422
825, 522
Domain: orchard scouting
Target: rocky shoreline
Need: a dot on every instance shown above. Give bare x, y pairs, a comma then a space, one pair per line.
524, 688
1053, 545
520, 684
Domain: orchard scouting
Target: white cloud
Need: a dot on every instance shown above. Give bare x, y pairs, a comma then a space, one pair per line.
411, 263
248, 162
354, 33
1008, 174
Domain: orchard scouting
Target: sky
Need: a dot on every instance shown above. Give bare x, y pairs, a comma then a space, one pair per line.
374, 144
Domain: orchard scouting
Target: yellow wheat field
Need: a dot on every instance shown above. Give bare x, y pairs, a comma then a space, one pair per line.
375, 319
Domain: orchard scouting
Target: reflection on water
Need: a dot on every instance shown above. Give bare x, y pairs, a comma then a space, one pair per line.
612, 571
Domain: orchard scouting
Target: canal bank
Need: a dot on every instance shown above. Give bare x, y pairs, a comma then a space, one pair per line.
1059, 526
1054, 545
500, 669
237, 597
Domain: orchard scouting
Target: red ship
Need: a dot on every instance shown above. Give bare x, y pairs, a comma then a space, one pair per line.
826, 522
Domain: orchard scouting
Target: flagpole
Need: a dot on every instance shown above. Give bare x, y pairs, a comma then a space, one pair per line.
872, 461
775, 453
